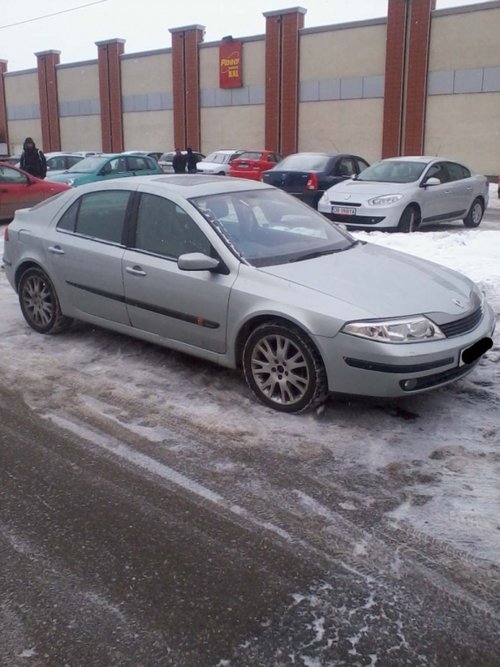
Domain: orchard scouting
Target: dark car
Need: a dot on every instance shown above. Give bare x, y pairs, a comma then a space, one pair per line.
308, 175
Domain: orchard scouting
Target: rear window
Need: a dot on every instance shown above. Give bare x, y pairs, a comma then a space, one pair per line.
255, 155
305, 163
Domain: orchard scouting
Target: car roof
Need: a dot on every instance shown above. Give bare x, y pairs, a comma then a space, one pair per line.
185, 185
414, 158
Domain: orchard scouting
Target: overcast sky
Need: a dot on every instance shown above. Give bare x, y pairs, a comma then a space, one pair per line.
145, 24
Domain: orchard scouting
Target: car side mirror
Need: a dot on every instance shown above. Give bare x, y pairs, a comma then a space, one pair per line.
432, 180
197, 261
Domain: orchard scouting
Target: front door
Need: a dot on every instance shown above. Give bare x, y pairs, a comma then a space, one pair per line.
185, 306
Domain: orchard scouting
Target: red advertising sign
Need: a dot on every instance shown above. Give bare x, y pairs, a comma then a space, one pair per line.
230, 64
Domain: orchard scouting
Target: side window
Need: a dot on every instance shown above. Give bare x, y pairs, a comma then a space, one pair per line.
345, 167
56, 163
166, 229
68, 220
138, 164
99, 215
12, 176
457, 171
438, 170
362, 165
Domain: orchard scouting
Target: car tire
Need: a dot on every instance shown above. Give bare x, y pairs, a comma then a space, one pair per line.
475, 214
39, 303
283, 368
410, 220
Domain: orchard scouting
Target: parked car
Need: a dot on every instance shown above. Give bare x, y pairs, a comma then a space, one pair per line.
154, 154
18, 189
251, 164
218, 161
87, 153
57, 162
244, 275
105, 167
12, 159
308, 175
403, 193
165, 160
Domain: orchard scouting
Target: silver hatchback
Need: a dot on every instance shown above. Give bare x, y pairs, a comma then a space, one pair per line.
242, 274
403, 193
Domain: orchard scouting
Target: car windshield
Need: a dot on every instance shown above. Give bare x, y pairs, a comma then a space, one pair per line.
393, 171
266, 227
304, 162
220, 158
87, 165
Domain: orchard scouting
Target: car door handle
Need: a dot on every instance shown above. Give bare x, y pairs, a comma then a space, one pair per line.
447, 192
56, 249
3, 190
135, 270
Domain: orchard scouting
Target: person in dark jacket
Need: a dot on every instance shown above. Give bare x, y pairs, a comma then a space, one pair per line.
191, 161
32, 159
179, 162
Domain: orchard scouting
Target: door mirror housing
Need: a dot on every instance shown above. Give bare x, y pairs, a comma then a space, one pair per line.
431, 181
197, 261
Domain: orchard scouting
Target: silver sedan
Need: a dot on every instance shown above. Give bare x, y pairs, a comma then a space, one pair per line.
244, 275
406, 192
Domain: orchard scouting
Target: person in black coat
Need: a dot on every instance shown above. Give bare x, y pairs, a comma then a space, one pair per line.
191, 161
32, 159
179, 162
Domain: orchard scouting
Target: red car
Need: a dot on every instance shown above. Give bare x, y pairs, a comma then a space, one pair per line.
18, 189
251, 164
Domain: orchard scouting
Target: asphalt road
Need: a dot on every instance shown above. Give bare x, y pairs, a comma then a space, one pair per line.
110, 561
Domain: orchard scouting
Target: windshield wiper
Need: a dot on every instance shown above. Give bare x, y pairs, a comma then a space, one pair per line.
316, 253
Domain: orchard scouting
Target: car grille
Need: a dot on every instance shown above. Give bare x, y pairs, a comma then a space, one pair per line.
354, 219
465, 324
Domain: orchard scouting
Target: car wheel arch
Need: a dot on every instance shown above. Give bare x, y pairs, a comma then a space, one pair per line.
25, 266
250, 325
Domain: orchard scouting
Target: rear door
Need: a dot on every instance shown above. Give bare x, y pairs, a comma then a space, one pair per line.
85, 253
185, 306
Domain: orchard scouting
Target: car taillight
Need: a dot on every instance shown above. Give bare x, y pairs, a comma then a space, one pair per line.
312, 182
6, 234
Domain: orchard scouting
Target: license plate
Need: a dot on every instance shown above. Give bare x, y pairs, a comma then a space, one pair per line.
343, 210
473, 352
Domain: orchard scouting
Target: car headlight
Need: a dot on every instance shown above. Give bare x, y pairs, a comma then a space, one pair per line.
70, 181
384, 200
405, 330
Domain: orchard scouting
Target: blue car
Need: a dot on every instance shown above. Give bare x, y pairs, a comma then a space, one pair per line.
107, 167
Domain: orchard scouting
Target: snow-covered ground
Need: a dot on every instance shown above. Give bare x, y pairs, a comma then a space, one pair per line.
439, 451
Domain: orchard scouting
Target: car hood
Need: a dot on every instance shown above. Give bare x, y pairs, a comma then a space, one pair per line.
379, 282
210, 165
356, 191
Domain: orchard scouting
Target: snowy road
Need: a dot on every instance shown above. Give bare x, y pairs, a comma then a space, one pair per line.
152, 513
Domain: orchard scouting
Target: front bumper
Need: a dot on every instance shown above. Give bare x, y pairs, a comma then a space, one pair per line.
360, 366
366, 217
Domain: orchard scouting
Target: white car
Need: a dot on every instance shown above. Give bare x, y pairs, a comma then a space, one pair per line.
404, 192
218, 162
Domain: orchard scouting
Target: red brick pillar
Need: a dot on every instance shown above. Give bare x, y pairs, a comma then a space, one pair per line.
419, 28
110, 94
4, 127
186, 85
49, 103
282, 79
394, 78
406, 63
